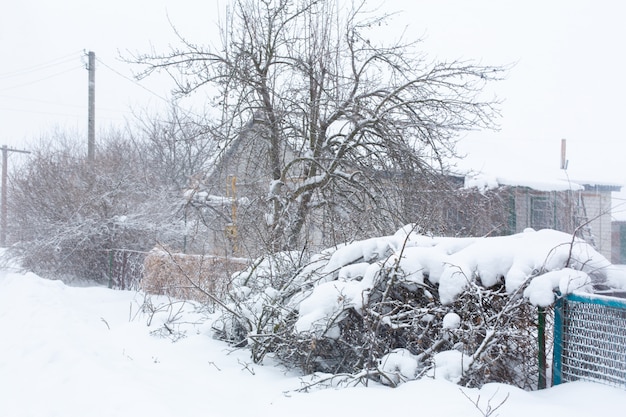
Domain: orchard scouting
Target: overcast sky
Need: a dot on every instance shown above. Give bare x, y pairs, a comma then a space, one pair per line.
568, 79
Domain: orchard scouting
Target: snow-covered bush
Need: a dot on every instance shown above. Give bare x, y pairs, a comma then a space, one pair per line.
66, 212
398, 307
261, 302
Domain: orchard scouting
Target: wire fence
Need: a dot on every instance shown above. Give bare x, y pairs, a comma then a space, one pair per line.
590, 340
126, 268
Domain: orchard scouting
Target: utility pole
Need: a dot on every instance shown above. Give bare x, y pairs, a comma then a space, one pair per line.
91, 122
3, 203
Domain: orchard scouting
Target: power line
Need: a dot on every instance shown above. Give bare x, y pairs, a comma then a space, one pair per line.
56, 63
39, 67
132, 81
40, 112
34, 100
104, 117
75, 106
40, 79
169, 102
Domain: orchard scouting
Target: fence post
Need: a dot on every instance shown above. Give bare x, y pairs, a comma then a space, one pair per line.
541, 328
110, 268
557, 360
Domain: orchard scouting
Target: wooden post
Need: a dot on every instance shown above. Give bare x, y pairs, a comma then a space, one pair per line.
563, 154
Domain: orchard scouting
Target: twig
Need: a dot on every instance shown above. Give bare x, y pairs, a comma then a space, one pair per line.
488, 410
246, 366
105, 322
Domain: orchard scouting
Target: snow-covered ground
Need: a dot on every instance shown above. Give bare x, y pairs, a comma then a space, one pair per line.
77, 352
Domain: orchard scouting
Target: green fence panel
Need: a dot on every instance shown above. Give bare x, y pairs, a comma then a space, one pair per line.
590, 340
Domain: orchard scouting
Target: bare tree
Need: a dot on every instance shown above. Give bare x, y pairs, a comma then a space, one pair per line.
176, 146
341, 116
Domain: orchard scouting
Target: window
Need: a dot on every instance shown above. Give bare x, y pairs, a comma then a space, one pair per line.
541, 213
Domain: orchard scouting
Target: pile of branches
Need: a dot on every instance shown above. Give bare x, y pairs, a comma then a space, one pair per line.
496, 330
370, 315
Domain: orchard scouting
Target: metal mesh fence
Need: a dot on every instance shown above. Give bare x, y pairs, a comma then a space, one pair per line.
126, 269
590, 340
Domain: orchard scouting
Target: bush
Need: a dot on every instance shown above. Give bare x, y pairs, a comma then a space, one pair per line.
66, 213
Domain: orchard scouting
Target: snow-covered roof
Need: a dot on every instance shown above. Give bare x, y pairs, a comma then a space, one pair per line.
537, 181
486, 182
488, 163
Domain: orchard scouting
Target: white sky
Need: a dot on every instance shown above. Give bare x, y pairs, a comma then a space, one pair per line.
567, 82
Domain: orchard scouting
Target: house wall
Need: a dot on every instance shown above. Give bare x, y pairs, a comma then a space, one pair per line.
618, 242
541, 209
564, 211
598, 206
242, 176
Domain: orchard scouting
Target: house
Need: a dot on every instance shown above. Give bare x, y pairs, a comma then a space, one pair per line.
231, 195
580, 207
491, 205
235, 195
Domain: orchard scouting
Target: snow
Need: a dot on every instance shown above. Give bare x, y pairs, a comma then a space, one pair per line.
451, 321
398, 366
615, 277
326, 304
540, 291
482, 182
537, 181
449, 365
546, 260
91, 351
